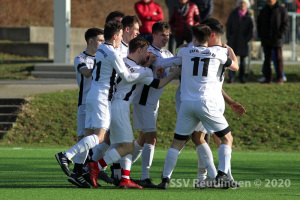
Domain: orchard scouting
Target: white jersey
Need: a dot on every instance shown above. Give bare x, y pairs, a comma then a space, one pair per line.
125, 90
123, 49
146, 95
202, 72
83, 60
108, 64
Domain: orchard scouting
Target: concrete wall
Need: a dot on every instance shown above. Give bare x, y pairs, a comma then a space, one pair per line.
38, 41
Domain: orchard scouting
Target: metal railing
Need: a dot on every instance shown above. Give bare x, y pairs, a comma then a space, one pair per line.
294, 32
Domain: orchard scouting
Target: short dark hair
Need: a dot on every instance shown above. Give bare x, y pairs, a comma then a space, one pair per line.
214, 25
111, 16
160, 26
92, 32
130, 21
136, 43
201, 32
112, 28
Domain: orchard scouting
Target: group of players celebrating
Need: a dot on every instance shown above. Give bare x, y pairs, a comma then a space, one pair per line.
118, 69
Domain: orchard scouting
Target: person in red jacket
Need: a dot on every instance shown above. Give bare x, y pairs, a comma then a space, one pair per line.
149, 13
184, 16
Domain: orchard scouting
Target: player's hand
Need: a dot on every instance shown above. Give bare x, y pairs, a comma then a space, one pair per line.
160, 71
149, 60
238, 108
228, 47
152, 58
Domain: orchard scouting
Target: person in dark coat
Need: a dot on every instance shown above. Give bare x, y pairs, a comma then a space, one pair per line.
239, 31
206, 8
272, 24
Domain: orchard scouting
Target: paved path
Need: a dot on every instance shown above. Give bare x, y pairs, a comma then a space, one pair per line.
26, 88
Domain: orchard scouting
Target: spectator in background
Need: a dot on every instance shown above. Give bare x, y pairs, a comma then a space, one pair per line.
205, 7
115, 16
239, 31
149, 13
171, 4
185, 15
272, 24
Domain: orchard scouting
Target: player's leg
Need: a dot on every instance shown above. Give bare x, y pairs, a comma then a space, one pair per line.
224, 155
78, 177
171, 159
98, 119
137, 114
229, 174
147, 158
98, 152
205, 161
138, 146
149, 117
126, 162
211, 115
185, 125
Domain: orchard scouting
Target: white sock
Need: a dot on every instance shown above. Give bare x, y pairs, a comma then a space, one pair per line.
224, 157
83, 145
205, 154
81, 157
201, 173
111, 156
147, 158
170, 162
229, 173
137, 151
99, 151
126, 162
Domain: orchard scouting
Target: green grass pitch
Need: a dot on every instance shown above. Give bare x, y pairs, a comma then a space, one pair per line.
33, 173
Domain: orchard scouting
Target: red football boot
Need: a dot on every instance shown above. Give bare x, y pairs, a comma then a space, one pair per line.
94, 172
127, 183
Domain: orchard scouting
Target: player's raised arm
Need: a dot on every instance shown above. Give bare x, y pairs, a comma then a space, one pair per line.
128, 74
170, 62
160, 83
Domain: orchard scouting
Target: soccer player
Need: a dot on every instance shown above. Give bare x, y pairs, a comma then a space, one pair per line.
115, 16
146, 104
121, 134
202, 99
130, 31
205, 158
98, 101
84, 64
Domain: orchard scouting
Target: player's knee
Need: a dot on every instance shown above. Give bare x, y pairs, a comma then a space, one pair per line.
227, 139
128, 148
141, 139
198, 138
150, 138
179, 141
